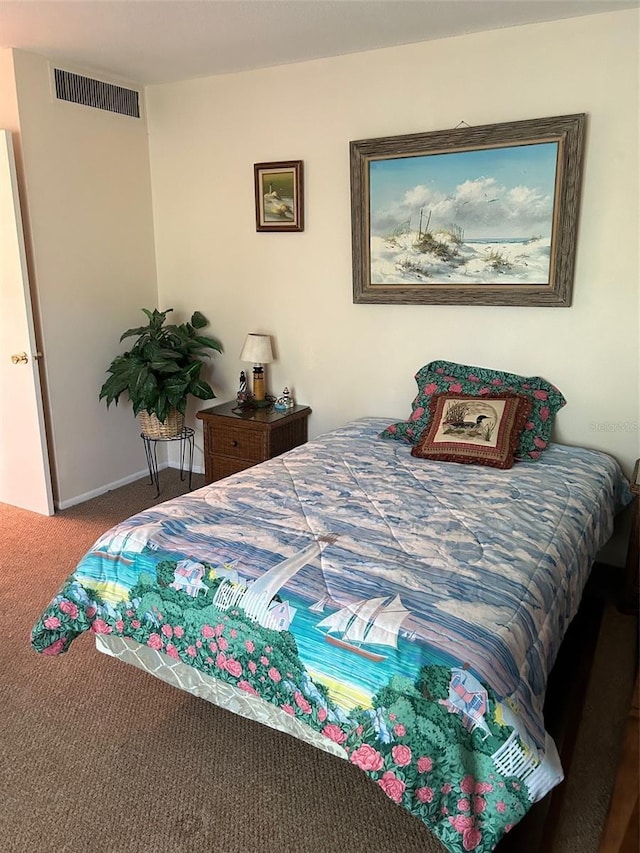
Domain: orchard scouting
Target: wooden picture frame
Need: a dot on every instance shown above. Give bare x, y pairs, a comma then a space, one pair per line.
473, 216
279, 196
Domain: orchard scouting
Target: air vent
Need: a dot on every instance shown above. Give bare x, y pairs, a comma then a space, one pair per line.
96, 93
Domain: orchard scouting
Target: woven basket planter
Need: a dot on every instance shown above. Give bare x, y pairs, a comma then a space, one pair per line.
153, 428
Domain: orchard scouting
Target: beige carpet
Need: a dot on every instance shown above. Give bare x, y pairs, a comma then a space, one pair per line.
98, 757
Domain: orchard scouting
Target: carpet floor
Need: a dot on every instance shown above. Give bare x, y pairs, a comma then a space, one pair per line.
99, 757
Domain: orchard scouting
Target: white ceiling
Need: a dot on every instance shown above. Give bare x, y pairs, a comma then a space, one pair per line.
160, 41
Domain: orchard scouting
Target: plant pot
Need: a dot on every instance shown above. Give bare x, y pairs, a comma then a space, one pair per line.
153, 428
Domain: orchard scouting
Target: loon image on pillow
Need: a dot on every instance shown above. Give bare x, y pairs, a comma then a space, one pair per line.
474, 430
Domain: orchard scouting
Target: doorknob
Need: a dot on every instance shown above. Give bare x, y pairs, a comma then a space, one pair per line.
20, 358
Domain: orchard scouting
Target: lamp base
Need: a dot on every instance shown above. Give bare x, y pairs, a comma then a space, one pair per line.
258, 383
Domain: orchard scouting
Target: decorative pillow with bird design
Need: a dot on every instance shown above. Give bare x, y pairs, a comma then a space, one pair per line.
474, 430
439, 377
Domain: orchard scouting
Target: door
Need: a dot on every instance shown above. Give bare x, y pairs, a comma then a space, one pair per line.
25, 478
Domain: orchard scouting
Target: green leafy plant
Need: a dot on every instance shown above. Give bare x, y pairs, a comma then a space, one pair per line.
162, 367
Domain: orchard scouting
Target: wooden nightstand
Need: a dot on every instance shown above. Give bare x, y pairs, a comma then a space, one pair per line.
235, 440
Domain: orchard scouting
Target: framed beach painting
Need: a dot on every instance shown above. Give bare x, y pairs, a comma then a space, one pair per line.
279, 196
473, 216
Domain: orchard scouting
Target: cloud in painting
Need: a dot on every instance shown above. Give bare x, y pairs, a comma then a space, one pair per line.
482, 207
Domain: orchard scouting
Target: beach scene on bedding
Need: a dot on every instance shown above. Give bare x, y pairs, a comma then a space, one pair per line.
470, 217
364, 593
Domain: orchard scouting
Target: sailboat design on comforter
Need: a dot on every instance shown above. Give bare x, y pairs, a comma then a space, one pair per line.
364, 624
404, 613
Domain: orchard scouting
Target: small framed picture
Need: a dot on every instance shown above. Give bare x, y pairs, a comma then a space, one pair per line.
279, 196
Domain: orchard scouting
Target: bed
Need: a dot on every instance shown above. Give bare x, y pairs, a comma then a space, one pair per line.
401, 613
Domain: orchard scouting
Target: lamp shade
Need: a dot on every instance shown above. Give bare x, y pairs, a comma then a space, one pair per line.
257, 349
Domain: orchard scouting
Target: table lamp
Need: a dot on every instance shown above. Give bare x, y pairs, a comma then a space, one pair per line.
257, 349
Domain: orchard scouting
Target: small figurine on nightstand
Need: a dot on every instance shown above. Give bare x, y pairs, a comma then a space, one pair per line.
285, 401
243, 395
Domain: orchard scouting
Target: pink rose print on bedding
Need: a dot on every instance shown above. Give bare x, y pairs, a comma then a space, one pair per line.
392, 786
425, 795
367, 758
55, 648
69, 608
401, 755
233, 667
334, 733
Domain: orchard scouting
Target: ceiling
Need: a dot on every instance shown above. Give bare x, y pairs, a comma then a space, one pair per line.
161, 41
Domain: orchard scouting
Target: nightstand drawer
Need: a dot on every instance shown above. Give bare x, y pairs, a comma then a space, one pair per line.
225, 466
235, 442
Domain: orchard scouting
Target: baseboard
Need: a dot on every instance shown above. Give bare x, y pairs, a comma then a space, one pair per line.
108, 487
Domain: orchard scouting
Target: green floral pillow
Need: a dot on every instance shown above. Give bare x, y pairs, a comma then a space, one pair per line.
440, 376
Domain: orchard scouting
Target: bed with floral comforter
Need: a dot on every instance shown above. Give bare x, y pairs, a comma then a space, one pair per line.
401, 613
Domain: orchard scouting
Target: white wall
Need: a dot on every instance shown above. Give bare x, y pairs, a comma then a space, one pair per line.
347, 360
90, 234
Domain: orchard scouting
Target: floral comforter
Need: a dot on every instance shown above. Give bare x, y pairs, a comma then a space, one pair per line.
407, 610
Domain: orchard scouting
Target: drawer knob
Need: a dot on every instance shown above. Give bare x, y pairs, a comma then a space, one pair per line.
234, 443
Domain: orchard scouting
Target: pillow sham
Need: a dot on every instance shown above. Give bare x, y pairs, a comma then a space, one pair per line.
474, 430
441, 376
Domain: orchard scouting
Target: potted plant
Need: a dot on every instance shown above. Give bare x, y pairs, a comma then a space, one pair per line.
160, 370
